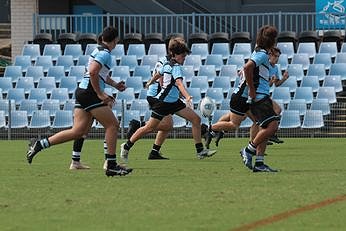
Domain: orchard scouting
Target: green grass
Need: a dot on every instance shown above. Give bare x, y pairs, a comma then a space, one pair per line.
183, 193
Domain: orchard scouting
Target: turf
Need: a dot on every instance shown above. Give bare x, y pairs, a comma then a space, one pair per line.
183, 193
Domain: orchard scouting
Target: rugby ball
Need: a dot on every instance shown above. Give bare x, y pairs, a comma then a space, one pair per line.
207, 106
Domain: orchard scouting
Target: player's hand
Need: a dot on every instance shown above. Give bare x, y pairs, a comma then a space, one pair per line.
120, 86
189, 102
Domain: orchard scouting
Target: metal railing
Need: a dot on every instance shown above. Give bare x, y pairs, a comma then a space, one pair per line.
187, 23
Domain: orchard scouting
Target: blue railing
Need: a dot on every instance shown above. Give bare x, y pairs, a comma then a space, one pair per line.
187, 23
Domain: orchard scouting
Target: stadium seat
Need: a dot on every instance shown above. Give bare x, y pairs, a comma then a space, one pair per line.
77, 71
296, 70
2, 119
311, 81
65, 39
136, 49
195, 92
298, 105
58, 72
188, 73
283, 62
313, 119
42, 39
304, 93
69, 105
45, 62
153, 38
321, 104
340, 58
32, 50
90, 47
136, 83
130, 61
141, 105
327, 93
286, 48
66, 61
13, 72
282, 93
308, 48
128, 116
237, 60
200, 82
323, 58
16, 94
5, 104
317, 70
222, 49
290, 119
230, 71
143, 71
51, 105
5, 84
27, 83
39, 94
291, 83
328, 47
157, 49
28, 105
193, 60
218, 37
60, 94
239, 37
53, 50
207, 70
121, 71
197, 38
223, 82
40, 119
333, 81
83, 60
86, 38
338, 69
24, 61
62, 119
132, 38
73, 49
128, 96
143, 94
216, 94
288, 37
200, 49
215, 60
118, 52
48, 83
242, 49
19, 119
150, 60
301, 58
178, 122
309, 37
333, 36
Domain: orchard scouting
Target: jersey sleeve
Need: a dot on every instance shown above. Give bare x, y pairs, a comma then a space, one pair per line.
259, 58
177, 72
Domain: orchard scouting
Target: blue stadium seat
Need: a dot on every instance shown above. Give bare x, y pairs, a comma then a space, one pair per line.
333, 81
60, 94
136, 83
188, 73
323, 58
141, 105
311, 81
40, 119
53, 50
32, 50
200, 82
51, 105
237, 60
340, 58
229, 70
291, 83
66, 61
73, 49
39, 94
200, 49
193, 60
328, 47
298, 105
317, 70
69, 105
223, 82
217, 115
2, 119
16, 94
283, 61
222, 49
128, 95
313, 119
286, 48
48, 83
62, 119
196, 94
321, 104
290, 119
215, 60
296, 70
77, 71
24, 61
90, 48
157, 49
128, 116
282, 93
121, 71
207, 70
28, 105
118, 52
338, 69
27, 83
178, 122
58, 72
4, 106
327, 93
136, 49
304, 93
5, 84
301, 58
44, 61
242, 49
130, 61
150, 60
36, 72
70, 83
143, 71
216, 94
308, 48
19, 119
83, 60
13, 72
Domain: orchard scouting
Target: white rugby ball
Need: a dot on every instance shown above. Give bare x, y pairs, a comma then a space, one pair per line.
207, 106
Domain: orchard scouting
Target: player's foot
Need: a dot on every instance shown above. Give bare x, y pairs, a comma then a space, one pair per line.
77, 165
269, 143
113, 169
156, 156
133, 127
247, 158
34, 147
276, 139
263, 168
219, 136
208, 139
124, 154
205, 153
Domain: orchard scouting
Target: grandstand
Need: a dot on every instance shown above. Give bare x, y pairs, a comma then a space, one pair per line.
56, 54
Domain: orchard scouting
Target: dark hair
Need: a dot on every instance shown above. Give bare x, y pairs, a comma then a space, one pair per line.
266, 37
109, 34
276, 50
178, 47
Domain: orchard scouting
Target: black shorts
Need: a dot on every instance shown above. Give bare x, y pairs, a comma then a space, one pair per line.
162, 109
151, 100
263, 112
87, 99
238, 105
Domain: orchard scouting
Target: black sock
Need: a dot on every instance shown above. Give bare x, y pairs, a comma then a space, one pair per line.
199, 147
156, 149
128, 145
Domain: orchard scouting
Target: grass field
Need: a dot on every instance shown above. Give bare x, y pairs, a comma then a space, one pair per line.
183, 193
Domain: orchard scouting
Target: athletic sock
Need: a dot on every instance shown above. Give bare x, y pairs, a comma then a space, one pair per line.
77, 149
259, 160
128, 145
156, 149
199, 147
105, 149
251, 148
